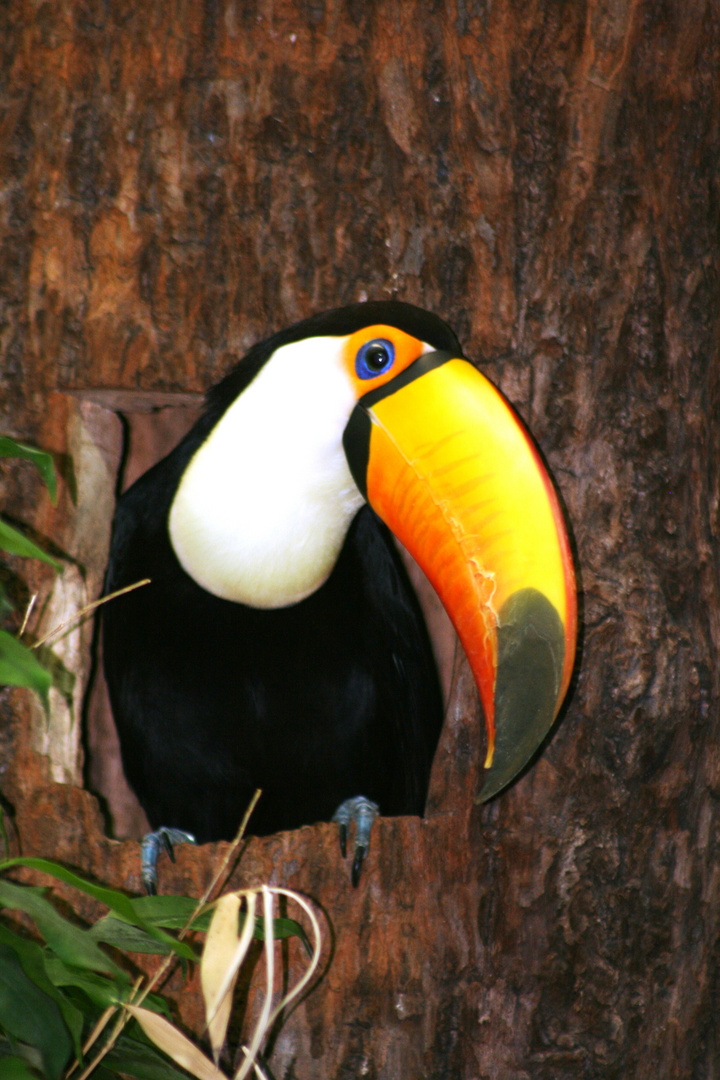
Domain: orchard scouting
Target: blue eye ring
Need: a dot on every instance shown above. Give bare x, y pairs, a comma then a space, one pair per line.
374, 358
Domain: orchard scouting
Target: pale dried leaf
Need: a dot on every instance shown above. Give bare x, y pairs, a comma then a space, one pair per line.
176, 1045
222, 957
216, 980
262, 1025
217, 1024
314, 960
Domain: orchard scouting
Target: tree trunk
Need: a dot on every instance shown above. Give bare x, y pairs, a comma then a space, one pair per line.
178, 181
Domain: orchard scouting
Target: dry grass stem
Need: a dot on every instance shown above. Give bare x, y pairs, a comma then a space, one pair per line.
228, 857
28, 613
68, 625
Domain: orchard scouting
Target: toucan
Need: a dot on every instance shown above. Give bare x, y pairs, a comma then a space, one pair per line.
279, 644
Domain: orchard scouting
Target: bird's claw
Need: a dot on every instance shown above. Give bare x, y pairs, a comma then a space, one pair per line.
150, 849
363, 812
360, 853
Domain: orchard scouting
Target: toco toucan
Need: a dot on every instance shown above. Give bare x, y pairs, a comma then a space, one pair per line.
279, 644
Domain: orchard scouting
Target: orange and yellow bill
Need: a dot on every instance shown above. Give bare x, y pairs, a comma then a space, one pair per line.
452, 471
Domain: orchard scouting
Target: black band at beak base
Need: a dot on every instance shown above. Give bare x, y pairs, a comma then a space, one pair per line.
356, 444
356, 437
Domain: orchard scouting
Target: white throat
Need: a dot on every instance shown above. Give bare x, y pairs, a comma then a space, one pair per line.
264, 506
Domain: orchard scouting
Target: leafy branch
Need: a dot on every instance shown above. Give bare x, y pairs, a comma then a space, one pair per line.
58, 1000
18, 665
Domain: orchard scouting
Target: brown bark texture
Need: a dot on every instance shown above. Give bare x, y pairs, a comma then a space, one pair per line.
179, 179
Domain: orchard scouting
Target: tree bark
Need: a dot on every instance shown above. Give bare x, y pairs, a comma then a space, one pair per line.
179, 180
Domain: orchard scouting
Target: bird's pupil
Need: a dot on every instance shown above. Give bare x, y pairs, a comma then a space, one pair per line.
376, 357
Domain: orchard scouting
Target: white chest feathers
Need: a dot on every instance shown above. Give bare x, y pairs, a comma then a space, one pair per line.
264, 506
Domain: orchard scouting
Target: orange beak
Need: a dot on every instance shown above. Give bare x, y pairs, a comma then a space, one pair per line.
447, 464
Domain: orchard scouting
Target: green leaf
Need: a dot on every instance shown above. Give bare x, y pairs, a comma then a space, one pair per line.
283, 928
44, 462
29, 1015
16, 543
32, 958
71, 943
18, 666
119, 904
123, 935
98, 989
173, 912
16, 1068
170, 912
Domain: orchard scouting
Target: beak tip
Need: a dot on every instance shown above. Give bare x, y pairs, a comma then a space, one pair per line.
531, 652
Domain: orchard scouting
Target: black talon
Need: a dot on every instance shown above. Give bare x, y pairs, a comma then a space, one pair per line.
360, 853
167, 844
343, 839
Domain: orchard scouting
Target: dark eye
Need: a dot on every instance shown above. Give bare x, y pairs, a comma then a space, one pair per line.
374, 358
